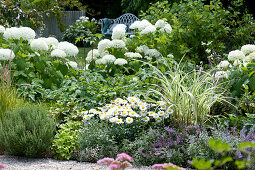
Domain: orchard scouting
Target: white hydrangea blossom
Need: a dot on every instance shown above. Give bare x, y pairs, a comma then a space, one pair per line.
133, 55
135, 25
70, 49
51, 42
117, 44
39, 44
248, 48
142, 49
6, 54
148, 29
235, 55
120, 61
2, 29
73, 64
221, 74
143, 24
25, 33
103, 44
167, 28
252, 56
92, 55
109, 58
152, 53
224, 64
100, 61
58, 53
119, 31
160, 23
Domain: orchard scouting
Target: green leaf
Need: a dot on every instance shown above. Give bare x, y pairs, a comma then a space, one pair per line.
201, 163
219, 146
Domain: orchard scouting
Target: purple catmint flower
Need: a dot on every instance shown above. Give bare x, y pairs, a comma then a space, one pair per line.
238, 154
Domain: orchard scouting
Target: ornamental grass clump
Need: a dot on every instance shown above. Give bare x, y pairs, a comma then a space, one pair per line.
191, 95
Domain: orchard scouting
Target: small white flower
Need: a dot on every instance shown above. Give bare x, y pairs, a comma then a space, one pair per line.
113, 119
129, 120
151, 113
124, 113
161, 113
146, 119
169, 111
155, 116
119, 121
208, 51
159, 119
143, 108
170, 56
120, 61
221, 74
152, 53
236, 55
39, 44
58, 53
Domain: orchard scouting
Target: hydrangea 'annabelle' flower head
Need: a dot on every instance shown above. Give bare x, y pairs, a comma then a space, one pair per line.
51, 42
25, 33
58, 53
148, 29
248, 48
6, 54
73, 64
92, 55
224, 64
109, 58
103, 44
120, 61
160, 23
70, 49
117, 44
235, 55
39, 44
119, 31
133, 55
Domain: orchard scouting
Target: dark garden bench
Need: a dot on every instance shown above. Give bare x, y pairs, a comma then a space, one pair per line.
108, 24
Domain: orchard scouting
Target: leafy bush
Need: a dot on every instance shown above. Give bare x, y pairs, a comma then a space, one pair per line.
83, 27
96, 142
207, 27
65, 141
26, 131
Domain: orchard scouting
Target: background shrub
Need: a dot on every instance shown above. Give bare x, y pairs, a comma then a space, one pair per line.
26, 131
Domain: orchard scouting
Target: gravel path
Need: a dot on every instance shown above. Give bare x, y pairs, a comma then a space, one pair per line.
20, 163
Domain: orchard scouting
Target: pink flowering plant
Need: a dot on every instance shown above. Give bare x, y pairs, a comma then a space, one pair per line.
122, 161
2, 166
166, 166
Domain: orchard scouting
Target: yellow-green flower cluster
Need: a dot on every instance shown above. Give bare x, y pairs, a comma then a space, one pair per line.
129, 110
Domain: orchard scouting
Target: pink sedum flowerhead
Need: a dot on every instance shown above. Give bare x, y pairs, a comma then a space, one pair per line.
105, 161
2, 166
124, 157
114, 166
158, 166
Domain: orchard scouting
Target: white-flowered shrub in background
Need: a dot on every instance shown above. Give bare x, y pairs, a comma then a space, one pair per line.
15, 33
6, 54
130, 110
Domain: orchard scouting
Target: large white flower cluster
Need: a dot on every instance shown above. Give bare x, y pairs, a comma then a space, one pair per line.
39, 44
248, 48
142, 49
58, 53
152, 53
102, 45
2, 29
133, 55
224, 64
145, 27
120, 61
6, 54
70, 49
73, 64
119, 31
117, 44
25, 33
130, 110
92, 55
236, 55
51, 42
109, 59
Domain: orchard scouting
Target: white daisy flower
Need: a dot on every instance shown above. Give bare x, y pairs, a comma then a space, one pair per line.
129, 120
146, 119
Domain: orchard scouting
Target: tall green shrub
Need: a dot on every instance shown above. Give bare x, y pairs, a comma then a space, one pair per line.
26, 131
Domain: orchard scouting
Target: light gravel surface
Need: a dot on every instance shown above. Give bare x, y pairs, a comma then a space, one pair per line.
20, 163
